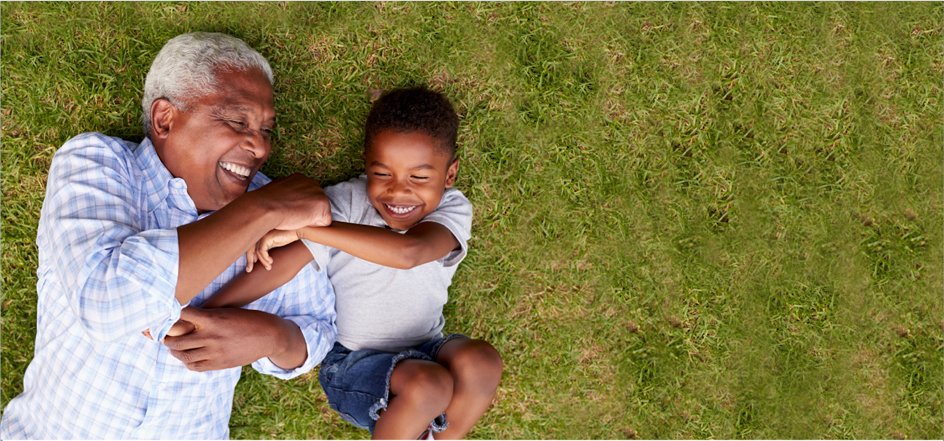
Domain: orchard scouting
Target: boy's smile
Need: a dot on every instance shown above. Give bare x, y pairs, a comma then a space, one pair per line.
406, 176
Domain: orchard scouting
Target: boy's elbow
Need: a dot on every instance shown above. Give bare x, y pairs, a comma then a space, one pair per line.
410, 256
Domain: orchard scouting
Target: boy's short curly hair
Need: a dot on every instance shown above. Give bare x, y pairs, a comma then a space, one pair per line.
412, 109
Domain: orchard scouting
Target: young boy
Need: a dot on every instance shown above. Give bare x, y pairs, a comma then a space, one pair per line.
395, 241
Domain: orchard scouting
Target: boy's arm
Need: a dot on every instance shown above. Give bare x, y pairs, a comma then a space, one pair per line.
249, 287
424, 243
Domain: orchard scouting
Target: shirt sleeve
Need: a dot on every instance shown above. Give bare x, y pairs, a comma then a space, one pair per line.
118, 277
308, 301
455, 213
341, 198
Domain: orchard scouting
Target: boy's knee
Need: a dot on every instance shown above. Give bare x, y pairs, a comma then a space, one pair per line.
479, 361
425, 384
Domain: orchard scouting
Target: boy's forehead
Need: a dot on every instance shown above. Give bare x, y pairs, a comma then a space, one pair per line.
414, 147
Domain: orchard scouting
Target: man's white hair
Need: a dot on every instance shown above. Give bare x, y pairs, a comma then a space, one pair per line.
187, 66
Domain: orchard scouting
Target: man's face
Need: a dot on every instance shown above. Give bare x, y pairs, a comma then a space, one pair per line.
406, 176
220, 143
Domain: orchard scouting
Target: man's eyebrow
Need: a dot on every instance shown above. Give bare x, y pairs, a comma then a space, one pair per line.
239, 109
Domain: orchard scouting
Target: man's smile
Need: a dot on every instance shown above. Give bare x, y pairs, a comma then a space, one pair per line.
239, 171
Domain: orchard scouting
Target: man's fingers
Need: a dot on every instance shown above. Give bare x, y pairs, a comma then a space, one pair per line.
193, 359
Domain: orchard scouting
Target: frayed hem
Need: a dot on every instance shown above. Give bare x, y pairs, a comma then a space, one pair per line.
374, 411
442, 341
439, 424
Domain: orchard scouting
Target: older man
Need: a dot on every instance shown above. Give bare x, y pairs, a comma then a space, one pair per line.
129, 233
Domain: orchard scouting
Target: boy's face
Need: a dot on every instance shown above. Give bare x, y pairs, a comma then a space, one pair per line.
406, 176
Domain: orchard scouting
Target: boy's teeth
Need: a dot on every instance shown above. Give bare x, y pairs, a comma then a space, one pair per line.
400, 210
238, 169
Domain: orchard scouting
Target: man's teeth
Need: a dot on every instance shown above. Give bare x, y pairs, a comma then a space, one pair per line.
238, 169
400, 210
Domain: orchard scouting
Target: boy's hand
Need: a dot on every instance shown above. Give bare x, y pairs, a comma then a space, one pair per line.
180, 328
272, 239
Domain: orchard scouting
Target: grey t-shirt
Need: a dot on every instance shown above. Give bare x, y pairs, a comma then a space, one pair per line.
386, 308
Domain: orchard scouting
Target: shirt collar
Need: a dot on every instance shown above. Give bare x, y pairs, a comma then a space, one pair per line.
159, 184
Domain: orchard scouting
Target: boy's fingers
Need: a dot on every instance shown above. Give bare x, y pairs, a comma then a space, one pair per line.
262, 253
266, 259
147, 333
250, 259
193, 315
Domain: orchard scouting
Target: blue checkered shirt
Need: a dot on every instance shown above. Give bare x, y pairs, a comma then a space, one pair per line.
108, 261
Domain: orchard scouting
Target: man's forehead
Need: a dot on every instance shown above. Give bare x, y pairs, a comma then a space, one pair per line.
240, 108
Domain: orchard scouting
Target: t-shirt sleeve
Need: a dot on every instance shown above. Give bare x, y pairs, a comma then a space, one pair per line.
455, 213
341, 197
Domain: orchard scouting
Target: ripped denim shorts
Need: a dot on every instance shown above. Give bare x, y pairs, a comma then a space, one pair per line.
357, 383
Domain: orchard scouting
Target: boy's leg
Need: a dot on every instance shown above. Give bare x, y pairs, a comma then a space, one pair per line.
419, 392
476, 368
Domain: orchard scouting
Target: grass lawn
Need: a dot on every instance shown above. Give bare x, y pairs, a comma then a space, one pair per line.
692, 220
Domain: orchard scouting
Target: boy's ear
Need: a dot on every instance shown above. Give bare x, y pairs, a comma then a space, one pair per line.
451, 173
162, 117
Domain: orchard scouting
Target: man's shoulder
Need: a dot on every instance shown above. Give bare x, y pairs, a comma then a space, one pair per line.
94, 151
90, 143
259, 180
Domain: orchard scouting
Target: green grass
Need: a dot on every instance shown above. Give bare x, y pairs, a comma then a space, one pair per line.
693, 220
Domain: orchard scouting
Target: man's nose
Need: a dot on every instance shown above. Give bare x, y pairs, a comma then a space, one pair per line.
256, 144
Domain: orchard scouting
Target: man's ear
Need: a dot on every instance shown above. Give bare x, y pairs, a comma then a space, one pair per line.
451, 173
162, 115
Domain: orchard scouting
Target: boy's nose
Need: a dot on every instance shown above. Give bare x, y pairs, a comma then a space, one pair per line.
398, 188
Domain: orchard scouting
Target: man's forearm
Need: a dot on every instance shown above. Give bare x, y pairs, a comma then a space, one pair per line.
208, 246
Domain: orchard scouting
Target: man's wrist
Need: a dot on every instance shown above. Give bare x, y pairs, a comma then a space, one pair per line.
262, 208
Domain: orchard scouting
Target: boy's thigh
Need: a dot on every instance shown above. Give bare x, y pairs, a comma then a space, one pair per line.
433, 348
357, 383
478, 355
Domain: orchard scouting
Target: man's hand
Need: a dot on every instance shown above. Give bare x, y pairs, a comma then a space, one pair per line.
300, 201
272, 239
230, 337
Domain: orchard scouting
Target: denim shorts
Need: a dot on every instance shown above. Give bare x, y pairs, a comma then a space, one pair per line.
357, 383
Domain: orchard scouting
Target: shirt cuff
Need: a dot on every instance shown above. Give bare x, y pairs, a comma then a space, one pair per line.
160, 331
314, 356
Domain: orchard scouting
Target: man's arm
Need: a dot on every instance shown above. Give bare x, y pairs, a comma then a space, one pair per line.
285, 334
230, 337
210, 245
118, 273
424, 243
